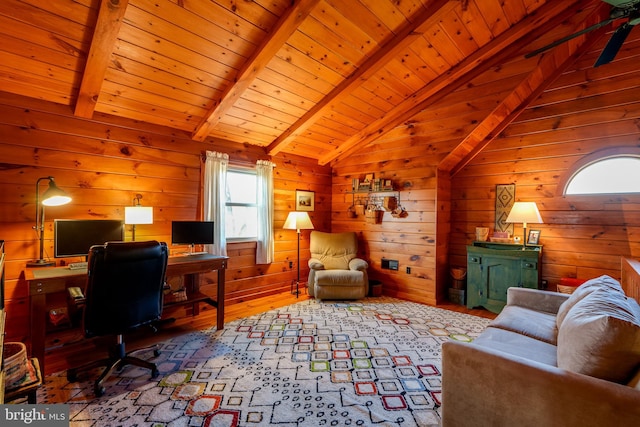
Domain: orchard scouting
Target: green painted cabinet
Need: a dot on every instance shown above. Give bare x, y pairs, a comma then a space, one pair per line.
492, 268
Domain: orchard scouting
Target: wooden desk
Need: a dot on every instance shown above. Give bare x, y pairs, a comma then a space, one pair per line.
52, 280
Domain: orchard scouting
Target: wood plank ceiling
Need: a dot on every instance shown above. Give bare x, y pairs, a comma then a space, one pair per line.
317, 78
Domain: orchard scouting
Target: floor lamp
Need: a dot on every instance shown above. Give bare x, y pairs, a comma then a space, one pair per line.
53, 196
137, 214
298, 221
524, 212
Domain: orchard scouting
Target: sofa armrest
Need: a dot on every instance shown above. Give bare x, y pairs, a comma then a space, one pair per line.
358, 264
536, 299
315, 264
486, 387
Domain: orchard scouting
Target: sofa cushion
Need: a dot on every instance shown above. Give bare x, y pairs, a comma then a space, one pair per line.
532, 323
600, 337
602, 282
517, 344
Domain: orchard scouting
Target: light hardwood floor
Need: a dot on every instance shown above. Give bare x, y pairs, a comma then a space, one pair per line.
83, 350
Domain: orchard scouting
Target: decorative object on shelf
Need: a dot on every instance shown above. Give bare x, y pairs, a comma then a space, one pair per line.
298, 221
305, 200
137, 214
482, 234
53, 196
505, 197
387, 185
501, 237
390, 203
373, 215
524, 212
534, 237
399, 212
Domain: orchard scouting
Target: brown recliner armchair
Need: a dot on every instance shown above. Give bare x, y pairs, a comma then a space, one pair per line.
335, 271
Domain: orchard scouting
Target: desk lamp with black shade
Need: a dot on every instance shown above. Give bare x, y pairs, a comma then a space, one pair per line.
298, 221
53, 196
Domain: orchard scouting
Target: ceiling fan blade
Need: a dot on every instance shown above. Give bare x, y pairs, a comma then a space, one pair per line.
614, 44
569, 37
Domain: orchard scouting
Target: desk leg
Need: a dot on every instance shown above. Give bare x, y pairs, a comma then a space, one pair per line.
220, 302
38, 328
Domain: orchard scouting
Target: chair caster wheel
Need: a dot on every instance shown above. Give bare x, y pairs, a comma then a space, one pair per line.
156, 352
98, 390
72, 376
155, 373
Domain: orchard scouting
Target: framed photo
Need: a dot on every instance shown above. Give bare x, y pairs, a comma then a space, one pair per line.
534, 237
305, 200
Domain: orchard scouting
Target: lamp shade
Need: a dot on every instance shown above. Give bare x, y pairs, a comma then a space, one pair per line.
298, 221
138, 215
524, 212
54, 196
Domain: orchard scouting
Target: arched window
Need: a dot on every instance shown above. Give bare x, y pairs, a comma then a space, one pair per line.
606, 175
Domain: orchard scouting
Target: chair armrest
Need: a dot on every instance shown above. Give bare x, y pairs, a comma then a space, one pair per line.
486, 387
536, 299
315, 264
358, 264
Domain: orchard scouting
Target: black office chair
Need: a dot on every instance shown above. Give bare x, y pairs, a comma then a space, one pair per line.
124, 291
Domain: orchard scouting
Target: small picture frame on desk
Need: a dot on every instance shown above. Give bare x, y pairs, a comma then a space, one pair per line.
534, 237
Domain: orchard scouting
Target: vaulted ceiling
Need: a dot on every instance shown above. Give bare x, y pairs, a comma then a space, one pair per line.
317, 78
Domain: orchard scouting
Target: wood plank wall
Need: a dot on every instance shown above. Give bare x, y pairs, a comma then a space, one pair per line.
410, 240
103, 163
586, 113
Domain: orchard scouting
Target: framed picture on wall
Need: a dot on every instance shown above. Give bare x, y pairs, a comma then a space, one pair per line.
534, 237
305, 200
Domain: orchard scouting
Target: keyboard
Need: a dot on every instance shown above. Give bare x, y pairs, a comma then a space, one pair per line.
78, 265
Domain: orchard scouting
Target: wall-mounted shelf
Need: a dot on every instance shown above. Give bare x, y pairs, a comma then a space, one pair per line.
367, 198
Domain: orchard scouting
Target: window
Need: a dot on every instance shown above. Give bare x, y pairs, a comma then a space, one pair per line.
607, 175
241, 203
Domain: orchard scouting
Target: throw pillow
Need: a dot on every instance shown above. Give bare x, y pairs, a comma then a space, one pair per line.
600, 337
602, 282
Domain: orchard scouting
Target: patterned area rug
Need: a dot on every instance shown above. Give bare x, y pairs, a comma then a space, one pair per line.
371, 362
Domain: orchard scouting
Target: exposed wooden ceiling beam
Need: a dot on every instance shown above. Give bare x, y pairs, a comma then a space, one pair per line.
285, 27
550, 67
402, 39
497, 50
105, 35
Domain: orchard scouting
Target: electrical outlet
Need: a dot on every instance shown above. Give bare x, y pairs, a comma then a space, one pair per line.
290, 264
408, 270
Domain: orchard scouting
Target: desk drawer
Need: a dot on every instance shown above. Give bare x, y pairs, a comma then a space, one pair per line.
48, 286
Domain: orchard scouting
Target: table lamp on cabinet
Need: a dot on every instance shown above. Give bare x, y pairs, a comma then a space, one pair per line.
524, 212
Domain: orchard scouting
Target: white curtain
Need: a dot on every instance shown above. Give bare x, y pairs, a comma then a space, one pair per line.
265, 249
215, 184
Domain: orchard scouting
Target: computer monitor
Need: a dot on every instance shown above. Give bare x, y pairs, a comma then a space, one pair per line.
74, 237
192, 233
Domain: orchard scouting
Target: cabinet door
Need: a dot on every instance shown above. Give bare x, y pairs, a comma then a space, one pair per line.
491, 271
503, 272
475, 282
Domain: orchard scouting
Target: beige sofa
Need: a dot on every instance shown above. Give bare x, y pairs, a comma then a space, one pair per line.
335, 271
549, 359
